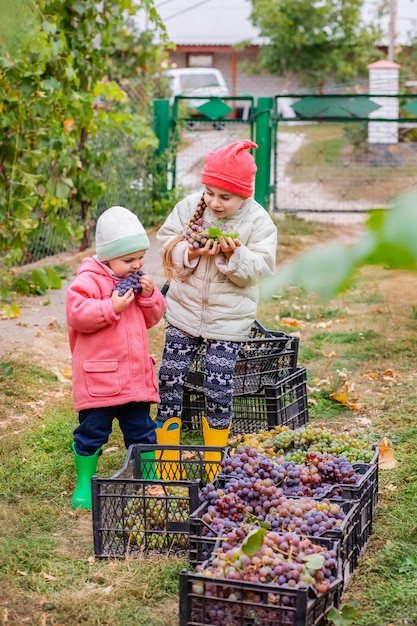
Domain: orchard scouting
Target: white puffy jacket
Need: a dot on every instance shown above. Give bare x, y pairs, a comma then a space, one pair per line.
217, 298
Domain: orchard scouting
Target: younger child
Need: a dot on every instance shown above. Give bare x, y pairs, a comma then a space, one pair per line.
213, 292
113, 373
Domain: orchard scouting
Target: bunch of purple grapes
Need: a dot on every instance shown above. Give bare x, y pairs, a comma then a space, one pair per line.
315, 477
237, 503
129, 282
333, 469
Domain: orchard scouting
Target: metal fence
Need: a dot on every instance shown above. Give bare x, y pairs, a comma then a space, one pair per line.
338, 157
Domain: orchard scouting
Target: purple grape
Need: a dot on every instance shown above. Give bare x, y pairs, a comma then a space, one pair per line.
129, 282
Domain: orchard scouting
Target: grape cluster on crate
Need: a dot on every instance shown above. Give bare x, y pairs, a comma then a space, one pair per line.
202, 231
129, 282
293, 445
281, 558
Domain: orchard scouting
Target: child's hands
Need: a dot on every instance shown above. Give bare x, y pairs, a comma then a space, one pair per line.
228, 245
120, 303
208, 250
148, 285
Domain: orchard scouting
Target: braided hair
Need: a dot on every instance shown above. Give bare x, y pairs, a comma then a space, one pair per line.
167, 264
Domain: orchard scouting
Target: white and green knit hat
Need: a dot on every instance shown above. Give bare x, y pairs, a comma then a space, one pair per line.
119, 232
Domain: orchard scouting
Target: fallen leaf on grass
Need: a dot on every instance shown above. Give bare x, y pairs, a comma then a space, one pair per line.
342, 395
390, 375
61, 376
372, 375
291, 321
391, 487
324, 324
312, 401
18, 571
48, 577
386, 454
329, 355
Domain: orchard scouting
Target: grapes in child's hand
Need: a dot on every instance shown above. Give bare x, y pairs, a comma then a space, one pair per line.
202, 231
129, 282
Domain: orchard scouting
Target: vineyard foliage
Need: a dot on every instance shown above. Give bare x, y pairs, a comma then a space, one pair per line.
63, 87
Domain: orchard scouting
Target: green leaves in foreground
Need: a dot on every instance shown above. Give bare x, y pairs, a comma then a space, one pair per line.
347, 615
389, 240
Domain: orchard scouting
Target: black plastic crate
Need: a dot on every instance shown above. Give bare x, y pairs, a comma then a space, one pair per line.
134, 517
366, 494
213, 602
188, 463
282, 404
264, 358
203, 538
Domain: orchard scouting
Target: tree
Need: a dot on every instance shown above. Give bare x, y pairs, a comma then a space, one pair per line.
55, 100
317, 38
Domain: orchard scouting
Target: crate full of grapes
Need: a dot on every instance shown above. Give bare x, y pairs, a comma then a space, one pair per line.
135, 517
305, 516
283, 403
284, 580
250, 478
181, 462
264, 358
353, 464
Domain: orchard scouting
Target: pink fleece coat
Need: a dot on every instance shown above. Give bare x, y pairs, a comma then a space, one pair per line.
111, 364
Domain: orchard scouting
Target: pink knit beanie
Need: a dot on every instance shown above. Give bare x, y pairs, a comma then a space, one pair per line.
231, 168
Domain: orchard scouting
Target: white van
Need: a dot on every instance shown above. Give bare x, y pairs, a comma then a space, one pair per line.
197, 81
203, 81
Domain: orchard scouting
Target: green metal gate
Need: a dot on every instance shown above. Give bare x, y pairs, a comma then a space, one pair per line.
193, 126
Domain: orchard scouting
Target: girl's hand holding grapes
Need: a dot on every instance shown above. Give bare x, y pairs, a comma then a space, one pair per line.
209, 249
228, 245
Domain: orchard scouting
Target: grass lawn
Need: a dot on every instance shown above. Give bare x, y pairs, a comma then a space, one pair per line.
365, 338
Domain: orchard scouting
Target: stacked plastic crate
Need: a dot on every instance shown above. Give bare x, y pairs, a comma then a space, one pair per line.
269, 389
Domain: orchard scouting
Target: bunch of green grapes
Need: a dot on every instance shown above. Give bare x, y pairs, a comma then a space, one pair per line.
292, 445
144, 514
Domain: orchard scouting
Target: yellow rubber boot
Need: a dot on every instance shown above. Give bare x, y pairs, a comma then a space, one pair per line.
168, 436
213, 437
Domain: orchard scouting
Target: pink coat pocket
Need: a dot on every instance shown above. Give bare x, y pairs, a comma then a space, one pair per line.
103, 378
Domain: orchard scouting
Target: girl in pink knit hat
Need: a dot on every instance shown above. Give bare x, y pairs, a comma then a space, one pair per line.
213, 292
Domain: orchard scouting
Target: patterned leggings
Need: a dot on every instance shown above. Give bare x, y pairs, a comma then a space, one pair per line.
178, 355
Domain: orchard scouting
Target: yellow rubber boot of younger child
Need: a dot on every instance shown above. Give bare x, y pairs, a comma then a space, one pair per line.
214, 437
168, 434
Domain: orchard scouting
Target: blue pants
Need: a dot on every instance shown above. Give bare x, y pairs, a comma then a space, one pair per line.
178, 355
95, 426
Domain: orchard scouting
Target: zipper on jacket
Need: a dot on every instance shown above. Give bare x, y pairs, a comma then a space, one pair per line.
204, 294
